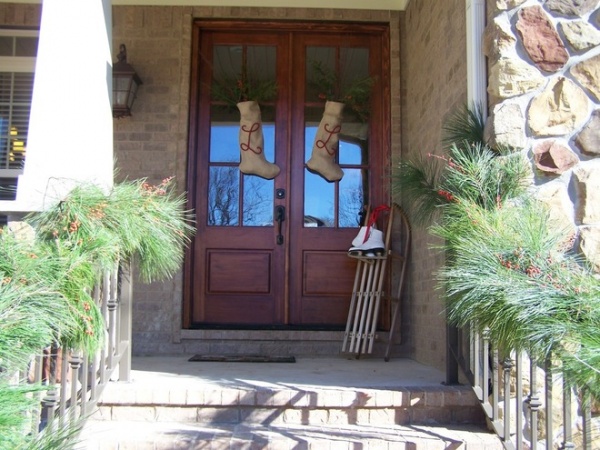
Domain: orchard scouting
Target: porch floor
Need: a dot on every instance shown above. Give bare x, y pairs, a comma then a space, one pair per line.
323, 381
331, 372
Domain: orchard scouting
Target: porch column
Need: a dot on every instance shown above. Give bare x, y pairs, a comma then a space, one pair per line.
476, 69
71, 125
476, 95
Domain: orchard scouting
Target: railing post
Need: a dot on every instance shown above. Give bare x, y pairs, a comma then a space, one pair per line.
62, 406
125, 322
49, 405
519, 400
112, 325
586, 418
35, 375
485, 364
75, 363
105, 349
506, 372
85, 368
548, 407
475, 359
534, 404
567, 419
94, 359
451, 355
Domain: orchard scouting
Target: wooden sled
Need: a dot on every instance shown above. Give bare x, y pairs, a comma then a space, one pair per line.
369, 283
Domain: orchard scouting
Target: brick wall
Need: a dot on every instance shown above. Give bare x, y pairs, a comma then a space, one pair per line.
434, 84
153, 142
20, 15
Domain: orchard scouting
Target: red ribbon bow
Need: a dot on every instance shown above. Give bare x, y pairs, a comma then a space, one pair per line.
373, 218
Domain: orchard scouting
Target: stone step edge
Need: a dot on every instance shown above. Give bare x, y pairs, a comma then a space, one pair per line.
296, 416
126, 394
100, 434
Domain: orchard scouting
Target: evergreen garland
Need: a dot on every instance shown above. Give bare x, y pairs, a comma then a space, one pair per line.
47, 277
508, 270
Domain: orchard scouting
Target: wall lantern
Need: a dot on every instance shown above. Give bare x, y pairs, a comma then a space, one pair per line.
125, 85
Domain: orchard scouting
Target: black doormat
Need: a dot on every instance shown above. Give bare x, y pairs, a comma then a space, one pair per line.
243, 358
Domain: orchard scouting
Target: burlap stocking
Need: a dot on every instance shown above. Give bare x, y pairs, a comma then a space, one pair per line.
326, 143
253, 161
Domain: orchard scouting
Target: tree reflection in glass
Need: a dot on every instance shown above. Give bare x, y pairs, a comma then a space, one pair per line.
226, 182
320, 195
257, 208
223, 196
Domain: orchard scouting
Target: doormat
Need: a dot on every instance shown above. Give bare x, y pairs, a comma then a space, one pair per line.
243, 358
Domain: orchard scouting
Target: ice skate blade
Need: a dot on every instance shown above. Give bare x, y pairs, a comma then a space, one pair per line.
371, 252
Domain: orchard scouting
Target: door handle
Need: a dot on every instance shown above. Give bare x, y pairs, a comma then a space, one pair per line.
279, 217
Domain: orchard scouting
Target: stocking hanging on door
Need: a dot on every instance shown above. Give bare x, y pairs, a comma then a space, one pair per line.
253, 161
326, 143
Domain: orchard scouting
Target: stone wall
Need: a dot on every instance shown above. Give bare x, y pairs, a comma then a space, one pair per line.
544, 87
434, 72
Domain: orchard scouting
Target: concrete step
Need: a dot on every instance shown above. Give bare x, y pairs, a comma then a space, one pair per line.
136, 435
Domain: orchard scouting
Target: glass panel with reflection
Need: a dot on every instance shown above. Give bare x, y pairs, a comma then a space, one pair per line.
319, 199
352, 194
223, 196
258, 202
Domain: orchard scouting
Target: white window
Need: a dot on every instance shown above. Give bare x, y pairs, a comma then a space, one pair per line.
18, 49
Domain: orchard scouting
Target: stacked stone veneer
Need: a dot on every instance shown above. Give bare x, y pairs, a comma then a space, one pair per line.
544, 87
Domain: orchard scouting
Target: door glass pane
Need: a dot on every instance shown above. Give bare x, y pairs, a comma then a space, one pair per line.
352, 151
353, 191
268, 128
355, 84
224, 140
224, 144
319, 200
258, 202
242, 73
339, 74
310, 131
223, 196
320, 74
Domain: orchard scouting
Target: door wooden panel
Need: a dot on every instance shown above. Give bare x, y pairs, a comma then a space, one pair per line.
246, 272
245, 268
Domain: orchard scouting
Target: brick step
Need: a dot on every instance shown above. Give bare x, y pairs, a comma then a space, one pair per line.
138, 435
329, 404
318, 406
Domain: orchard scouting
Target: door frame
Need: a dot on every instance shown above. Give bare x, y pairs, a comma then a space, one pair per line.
196, 187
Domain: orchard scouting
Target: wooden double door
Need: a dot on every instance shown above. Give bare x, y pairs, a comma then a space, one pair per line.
272, 253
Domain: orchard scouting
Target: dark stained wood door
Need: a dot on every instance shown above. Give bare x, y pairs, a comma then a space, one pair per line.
246, 268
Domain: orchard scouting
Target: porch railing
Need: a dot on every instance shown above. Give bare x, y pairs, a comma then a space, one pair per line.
528, 403
76, 380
